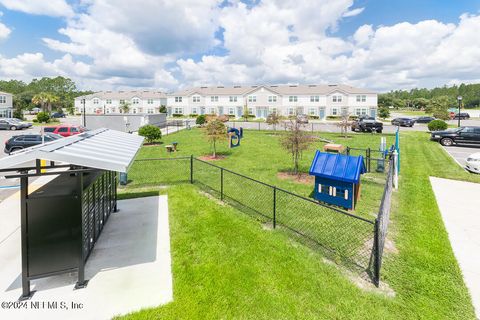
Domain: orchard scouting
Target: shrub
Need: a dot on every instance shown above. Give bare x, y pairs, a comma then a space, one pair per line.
441, 114
437, 125
193, 115
383, 112
35, 120
177, 115
313, 117
150, 132
43, 117
333, 117
201, 119
163, 109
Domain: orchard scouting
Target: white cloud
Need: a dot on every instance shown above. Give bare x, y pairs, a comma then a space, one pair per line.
54, 8
4, 31
353, 12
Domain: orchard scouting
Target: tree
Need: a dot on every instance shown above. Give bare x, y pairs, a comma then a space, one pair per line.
383, 112
45, 100
295, 142
150, 132
439, 107
344, 123
163, 109
246, 113
437, 125
215, 131
273, 119
201, 119
125, 107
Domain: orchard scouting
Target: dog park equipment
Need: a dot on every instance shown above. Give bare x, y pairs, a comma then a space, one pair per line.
384, 151
234, 137
333, 147
61, 221
337, 178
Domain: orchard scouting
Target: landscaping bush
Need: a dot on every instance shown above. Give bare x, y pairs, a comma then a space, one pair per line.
201, 119
313, 117
43, 117
248, 116
150, 132
163, 109
35, 120
333, 117
193, 115
437, 125
177, 115
383, 112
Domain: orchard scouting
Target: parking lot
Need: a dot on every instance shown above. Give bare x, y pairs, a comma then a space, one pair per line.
460, 154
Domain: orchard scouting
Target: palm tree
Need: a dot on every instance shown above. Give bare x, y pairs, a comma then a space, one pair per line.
45, 100
125, 107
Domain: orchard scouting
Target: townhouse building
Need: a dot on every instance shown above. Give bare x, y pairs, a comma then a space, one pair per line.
105, 102
6, 105
287, 100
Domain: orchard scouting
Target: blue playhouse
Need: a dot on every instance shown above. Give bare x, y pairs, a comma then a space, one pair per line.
337, 178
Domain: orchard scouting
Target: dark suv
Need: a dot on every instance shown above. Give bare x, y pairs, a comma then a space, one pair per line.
462, 116
462, 135
16, 143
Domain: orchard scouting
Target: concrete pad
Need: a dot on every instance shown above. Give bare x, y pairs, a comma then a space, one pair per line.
459, 204
128, 270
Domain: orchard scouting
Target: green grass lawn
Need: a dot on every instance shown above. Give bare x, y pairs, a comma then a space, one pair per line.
226, 265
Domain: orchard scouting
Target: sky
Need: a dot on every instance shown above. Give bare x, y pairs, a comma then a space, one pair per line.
173, 44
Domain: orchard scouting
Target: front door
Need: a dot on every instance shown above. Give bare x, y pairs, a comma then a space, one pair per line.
373, 113
322, 113
202, 110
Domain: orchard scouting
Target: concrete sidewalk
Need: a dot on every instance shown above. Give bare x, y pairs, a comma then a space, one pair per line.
459, 204
129, 268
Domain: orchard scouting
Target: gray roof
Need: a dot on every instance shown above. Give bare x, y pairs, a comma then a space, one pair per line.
320, 89
100, 149
125, 95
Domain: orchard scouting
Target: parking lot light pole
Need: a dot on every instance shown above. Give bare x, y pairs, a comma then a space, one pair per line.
459, 99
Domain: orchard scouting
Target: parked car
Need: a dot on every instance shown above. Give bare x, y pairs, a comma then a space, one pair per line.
302, 118
403, 122
20, 142
462, 135
462, 116
65, 130
473, 163
367, 124
24, 123
424, 119
57, 115
9, 124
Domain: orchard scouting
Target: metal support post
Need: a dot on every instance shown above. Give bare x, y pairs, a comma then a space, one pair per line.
191, 168
274, 207
395, 169
81, 283
26, 293
376, 254
221, 184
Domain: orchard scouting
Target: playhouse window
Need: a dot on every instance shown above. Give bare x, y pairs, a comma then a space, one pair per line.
319, 188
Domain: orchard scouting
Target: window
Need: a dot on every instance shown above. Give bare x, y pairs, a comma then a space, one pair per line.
194, 111
196, 99
361, 98
122, 101
231, 111
150, 110
252, 98
361, 111
273, 110
337, 98
291, 111
135, 101
178, 99
272, 98
250, 110
334, 111
150, 101
63, 129
211, 110
292, 98
178, 110
233, 99
73, 129
109, 101
311, 111
3, 99
314, 98
95, 101
134, 110
214, 98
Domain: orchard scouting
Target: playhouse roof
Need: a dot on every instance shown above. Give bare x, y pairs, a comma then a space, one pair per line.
337, 166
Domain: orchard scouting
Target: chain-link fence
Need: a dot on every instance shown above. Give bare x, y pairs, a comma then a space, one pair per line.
343, 237
382, 220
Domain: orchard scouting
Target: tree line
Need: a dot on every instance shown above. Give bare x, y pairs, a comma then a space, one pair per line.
47, 93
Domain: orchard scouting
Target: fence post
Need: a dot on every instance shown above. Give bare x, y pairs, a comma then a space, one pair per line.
348, 151
376, 255
221, 184
191, 168
258, 126
369, 158
395, 169
274, 207
312, 126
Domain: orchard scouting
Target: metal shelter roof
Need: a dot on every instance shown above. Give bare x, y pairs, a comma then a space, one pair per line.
337, 167
100, 149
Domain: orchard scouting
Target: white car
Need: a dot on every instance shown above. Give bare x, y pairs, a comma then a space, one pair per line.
473, 163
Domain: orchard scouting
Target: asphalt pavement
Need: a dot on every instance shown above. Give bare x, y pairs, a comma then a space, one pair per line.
461, 153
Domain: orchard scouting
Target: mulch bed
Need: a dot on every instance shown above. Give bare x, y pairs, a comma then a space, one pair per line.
302, 178
211, 158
